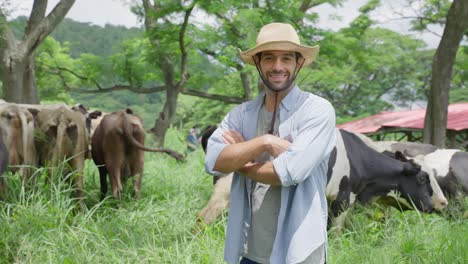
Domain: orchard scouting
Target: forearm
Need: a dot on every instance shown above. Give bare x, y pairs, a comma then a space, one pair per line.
235, 156
261, 172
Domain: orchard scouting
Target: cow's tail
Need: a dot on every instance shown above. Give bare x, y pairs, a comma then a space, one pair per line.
129, 133
28, 148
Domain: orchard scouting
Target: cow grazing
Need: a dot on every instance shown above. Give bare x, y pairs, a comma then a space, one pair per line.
361, 173
402, 150
356, 172
62, 136
118, 150
3, 168
17, 125
448, 167
219, 200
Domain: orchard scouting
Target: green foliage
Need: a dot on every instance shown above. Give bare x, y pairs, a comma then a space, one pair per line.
49, 56
360, 74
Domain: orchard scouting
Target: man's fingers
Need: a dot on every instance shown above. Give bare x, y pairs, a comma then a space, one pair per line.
237, 136
228, 139
232, 137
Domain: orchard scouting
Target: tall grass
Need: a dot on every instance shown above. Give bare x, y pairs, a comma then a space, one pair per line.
44, 225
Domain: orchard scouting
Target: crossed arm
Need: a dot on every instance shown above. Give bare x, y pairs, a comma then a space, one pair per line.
239, 156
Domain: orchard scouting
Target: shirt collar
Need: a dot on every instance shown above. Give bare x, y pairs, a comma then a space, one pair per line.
288, 101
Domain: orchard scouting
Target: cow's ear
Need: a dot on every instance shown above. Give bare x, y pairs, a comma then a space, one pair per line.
400, 156
129, 111
95, 114
411, 169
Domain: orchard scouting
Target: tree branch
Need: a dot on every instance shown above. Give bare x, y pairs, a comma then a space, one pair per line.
7, 38
37, 14
223, 98
183, 61
59, 71
46, 25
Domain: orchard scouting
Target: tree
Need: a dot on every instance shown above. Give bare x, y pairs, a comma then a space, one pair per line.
436, 112
17, 56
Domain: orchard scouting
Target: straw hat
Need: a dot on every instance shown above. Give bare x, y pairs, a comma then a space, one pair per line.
279, 36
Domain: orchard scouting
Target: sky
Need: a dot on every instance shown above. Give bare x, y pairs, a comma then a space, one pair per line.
117, 12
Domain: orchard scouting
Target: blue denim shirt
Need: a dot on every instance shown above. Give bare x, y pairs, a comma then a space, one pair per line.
308, 122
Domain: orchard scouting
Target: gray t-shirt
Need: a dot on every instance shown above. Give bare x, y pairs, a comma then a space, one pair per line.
266, 202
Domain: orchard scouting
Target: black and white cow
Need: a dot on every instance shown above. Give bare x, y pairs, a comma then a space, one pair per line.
448, 166
357, 172
366, 174
411, 150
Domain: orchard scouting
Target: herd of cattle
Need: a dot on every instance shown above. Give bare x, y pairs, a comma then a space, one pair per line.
402, 174
60, 138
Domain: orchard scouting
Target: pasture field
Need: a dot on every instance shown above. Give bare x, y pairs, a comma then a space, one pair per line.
44, 226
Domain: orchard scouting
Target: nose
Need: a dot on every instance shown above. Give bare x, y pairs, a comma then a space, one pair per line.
443, 204
440, 204
277, 65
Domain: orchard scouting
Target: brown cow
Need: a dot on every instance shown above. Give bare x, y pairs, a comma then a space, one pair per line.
118, 149
62, 136
17, 124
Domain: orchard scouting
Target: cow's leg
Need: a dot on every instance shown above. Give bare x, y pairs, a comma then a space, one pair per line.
219, 200
338, 210
3, 187
103, 180
136, 169
338, 222
114, 176
77, 180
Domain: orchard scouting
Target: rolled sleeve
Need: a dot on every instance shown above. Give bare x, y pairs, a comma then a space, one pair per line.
215, 145
314, 142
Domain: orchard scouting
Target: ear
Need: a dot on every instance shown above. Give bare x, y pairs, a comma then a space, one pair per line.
95, 114
400, 156
257, 58
129, 111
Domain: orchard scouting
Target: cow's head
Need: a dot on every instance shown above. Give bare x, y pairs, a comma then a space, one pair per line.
415, 186
206, 134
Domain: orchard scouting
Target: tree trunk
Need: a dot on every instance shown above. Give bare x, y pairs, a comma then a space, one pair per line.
436, 113
166, 116
19, 80
17, 57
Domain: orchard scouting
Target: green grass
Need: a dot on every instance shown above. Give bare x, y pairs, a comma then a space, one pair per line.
45, 226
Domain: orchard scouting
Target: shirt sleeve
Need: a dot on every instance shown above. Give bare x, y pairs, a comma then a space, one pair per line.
313, 144
233, 120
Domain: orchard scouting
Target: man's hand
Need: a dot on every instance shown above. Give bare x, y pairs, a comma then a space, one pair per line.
276, 145
232, 137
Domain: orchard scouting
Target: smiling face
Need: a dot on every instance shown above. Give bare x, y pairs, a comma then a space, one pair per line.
278, 67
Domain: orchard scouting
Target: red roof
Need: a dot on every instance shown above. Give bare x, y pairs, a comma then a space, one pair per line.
457, 119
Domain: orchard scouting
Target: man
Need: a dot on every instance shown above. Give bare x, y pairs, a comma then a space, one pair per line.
278, 146
192, 138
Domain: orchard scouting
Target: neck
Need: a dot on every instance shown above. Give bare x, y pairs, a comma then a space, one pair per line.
270, 98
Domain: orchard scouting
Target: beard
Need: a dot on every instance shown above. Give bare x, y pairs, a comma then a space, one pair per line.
278, 87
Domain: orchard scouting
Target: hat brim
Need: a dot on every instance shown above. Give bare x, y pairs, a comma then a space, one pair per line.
309, 53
